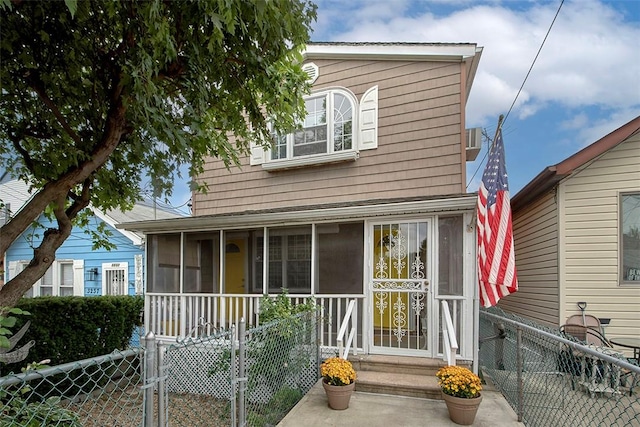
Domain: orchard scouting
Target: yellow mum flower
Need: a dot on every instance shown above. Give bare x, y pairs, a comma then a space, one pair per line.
337, 371
459, 381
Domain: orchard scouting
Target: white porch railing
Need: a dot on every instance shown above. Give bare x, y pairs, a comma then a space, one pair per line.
179, 315
450, 343
350, 318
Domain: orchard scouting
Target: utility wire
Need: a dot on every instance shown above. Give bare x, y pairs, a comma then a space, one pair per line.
521, 86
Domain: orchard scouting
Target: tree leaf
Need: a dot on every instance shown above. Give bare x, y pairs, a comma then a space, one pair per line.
72, 5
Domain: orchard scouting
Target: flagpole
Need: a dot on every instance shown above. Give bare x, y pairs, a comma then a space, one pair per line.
500, 119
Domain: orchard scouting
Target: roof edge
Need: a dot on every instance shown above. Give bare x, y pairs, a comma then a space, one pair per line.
303, 215
543, 182
551, 175
599, 147
413, 51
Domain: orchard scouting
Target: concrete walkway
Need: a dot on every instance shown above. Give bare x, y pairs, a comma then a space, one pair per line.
382, 410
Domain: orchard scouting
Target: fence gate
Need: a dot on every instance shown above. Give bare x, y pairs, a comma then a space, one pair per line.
219, 380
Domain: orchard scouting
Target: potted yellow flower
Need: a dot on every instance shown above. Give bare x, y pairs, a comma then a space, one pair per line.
338, 380
461, 392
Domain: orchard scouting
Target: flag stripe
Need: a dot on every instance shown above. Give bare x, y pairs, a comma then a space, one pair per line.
497, 276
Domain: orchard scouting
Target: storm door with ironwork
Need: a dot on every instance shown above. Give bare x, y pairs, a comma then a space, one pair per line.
400, 255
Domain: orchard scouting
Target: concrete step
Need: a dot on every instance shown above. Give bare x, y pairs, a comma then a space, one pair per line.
398, 375
398, 384
420, 366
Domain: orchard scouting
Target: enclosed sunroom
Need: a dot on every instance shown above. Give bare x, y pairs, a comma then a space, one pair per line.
398, 261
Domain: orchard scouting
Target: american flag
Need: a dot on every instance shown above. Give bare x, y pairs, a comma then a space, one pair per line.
496, 258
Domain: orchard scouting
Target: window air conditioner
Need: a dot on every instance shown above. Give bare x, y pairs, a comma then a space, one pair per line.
474, 143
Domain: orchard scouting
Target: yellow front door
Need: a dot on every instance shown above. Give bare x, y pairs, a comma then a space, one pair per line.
234, 266
235, 263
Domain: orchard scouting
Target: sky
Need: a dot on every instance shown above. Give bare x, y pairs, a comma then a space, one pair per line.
584, 84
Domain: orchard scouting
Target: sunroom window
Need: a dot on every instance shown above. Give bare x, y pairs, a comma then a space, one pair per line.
289, 260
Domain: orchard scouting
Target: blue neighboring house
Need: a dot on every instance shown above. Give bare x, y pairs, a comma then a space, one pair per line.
78, 269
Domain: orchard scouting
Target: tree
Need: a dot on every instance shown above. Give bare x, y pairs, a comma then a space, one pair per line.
97, 95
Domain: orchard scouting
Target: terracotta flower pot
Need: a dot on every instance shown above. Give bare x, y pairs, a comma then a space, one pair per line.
339, 395
462, 410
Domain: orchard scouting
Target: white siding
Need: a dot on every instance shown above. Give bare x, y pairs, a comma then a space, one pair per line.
589, 242
535, 230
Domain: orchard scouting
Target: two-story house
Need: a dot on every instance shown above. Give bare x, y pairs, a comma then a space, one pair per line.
366, 201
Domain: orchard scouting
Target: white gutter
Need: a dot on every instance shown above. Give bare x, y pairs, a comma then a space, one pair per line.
391, 51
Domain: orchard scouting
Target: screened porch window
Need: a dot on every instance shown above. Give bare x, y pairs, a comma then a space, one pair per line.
340, 258
202, 253
289, 260
163, 263
450, 255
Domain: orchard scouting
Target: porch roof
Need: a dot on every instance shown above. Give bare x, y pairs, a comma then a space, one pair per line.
305, 214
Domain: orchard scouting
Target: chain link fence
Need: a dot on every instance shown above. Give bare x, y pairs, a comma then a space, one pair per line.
281, 365
550, 380
252, 381
230, 378
94, 392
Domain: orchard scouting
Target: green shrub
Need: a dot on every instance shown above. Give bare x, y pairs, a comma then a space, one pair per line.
281, 307
68, 329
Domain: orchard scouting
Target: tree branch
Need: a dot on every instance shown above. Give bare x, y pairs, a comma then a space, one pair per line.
28, 161
36, 84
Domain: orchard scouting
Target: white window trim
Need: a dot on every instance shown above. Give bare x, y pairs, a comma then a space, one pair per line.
622, 282
317, 159
364, 136
78, 275
295, 231
115, 266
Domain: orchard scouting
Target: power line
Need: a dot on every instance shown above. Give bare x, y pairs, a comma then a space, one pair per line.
522, 85
534, 61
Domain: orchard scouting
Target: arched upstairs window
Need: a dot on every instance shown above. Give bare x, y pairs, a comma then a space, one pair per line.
335, 128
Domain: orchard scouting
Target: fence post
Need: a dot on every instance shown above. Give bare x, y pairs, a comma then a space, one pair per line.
318, 327
149, 377
162, 392
232, 374
242, 375
519, 363
499, 347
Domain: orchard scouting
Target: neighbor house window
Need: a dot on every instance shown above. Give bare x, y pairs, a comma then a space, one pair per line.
58, 280
630, 239
327, 128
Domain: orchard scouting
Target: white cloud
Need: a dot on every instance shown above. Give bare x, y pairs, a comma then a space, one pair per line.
590, 57
577, 122
598, 128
